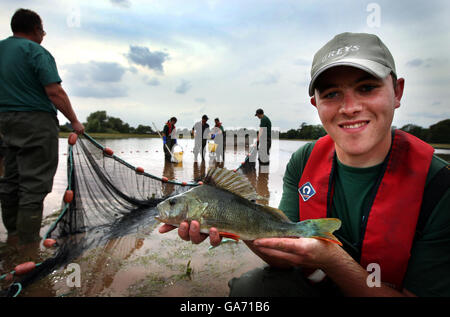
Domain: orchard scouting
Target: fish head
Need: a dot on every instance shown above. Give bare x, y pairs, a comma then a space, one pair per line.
173, 210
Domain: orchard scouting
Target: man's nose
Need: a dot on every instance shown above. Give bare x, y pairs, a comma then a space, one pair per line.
350, 104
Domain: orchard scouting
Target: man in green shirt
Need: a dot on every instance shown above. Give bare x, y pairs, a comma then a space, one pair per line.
30, 94
355, 89
264, 138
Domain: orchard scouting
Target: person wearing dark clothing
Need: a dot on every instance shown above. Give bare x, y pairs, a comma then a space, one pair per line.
30, 95
169, 137
264, 139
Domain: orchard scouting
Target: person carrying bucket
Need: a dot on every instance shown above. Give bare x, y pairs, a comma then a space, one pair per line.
169, 137
218, 135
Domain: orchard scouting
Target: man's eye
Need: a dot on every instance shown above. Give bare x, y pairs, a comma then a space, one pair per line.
330, 95
367, 88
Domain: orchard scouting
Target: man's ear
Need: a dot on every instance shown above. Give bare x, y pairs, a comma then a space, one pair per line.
313, 101
399, 88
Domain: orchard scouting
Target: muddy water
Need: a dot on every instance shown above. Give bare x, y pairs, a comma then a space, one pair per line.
146, 263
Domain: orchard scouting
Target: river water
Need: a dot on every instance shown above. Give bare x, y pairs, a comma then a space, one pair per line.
147, 263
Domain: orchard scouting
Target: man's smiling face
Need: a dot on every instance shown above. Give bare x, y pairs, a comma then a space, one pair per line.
356, 110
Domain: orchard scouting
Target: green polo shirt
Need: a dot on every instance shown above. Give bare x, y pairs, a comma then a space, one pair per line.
428, 267
25, 68
265, 123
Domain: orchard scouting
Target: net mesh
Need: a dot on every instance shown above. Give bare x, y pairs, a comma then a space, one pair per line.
111, 198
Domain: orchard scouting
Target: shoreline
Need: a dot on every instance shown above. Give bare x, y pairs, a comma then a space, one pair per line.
142, 136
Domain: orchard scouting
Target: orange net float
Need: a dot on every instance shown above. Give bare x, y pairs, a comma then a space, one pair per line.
200, 183
24, 268
68, 196
183, 184
108, 151
48, 243
139, 170
165, 179
73, 137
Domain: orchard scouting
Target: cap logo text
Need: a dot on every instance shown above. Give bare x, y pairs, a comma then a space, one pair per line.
341, 51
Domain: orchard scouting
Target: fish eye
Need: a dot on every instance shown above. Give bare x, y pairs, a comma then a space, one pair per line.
173, 201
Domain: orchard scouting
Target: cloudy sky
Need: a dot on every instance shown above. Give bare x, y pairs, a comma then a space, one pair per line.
148, 60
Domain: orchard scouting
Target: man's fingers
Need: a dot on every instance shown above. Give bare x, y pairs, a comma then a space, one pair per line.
166, 228
288, 245
214, 237
195, 234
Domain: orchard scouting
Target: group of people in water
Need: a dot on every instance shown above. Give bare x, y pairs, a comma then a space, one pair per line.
201, 132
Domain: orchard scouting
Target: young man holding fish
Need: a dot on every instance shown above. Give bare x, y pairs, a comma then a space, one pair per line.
381, 183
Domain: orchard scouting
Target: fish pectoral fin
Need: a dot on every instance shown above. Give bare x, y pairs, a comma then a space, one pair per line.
229, 235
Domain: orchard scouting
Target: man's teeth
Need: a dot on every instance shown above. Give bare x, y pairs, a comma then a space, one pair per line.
354, 126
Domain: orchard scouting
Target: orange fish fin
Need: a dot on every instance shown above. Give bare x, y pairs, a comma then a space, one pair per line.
328, 239
229, 235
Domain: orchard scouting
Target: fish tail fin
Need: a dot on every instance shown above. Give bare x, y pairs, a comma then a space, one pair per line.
323, 229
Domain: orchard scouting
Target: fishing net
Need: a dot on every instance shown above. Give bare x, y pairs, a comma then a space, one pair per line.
106, 198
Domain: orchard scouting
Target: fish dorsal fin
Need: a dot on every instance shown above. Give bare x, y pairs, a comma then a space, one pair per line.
230, 181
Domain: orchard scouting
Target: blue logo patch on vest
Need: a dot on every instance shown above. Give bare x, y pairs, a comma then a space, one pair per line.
306, 191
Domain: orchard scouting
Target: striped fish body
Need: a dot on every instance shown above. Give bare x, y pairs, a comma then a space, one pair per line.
226, 202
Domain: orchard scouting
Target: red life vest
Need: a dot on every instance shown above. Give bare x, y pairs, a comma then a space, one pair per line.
390, 224
171, 127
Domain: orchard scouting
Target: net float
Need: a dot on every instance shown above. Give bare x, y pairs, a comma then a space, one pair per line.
108, 151
68, 196
165, 179
73, 137
24, 268
48, 243
139, 169
183, 184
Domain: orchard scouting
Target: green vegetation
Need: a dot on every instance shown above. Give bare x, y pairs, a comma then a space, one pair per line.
100, 122
304, 132
100, 125
437, 134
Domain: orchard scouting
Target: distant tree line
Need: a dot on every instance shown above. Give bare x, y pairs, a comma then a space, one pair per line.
304, 132
436, 133
99, 121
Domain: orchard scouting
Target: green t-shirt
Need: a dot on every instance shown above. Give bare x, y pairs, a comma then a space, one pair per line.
429, 264
25, 68
265, 123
